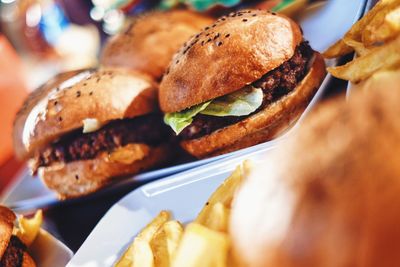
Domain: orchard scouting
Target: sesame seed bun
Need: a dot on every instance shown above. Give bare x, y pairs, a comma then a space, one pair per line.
30, 103
263, 125
149, 42
226, 56
63, 104
330, 196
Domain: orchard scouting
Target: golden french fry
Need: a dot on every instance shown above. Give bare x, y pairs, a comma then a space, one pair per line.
393, 18
159, 248
139, 252
165, 243
28, 228
383, 26
218, 218
380, 58
202, 247
359, 47
149, 231
173, 231
340, 48
224, 193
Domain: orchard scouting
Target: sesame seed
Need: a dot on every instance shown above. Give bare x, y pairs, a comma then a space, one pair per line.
244, 20
177, 62
76, 176
226, 36
78, 93
254, 15
206, 28
60, 118
55, 103
202, 42
209, 40
91, 93
219, 43
273, 13
240, 14
84, 84
216, 36
223, 19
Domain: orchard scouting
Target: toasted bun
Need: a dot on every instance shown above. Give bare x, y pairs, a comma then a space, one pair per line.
233, 52
263, 125
7, 218
150, 41
331, 195
104, 95
79, 178
30, 103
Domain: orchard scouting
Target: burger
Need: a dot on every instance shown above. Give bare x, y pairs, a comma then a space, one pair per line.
330, 196
150, 40
82, 130
13, 252
239, 82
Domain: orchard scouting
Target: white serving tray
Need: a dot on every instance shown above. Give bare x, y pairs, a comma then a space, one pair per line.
183, 194
323, 24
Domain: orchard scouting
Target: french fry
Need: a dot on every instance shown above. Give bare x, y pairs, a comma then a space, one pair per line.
173, 231
28, 228
218, 218
225, 192
380, 58
359, 47
139, 252
383, 27
202, 247
165, 243
341, 47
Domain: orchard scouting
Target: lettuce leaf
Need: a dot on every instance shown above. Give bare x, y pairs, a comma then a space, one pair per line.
239, 103
180, 120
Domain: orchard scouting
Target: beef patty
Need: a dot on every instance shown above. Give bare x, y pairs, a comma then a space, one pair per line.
275, 84
148, 129
14, 254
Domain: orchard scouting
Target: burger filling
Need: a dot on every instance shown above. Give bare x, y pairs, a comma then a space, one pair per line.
147, 129
208, 117
14, 254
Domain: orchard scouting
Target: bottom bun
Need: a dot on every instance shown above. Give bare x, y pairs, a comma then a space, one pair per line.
265, 124
79, 178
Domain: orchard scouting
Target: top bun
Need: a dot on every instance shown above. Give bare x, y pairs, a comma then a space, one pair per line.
150, 41
228, 55
30, 103
337, 206
104, 95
